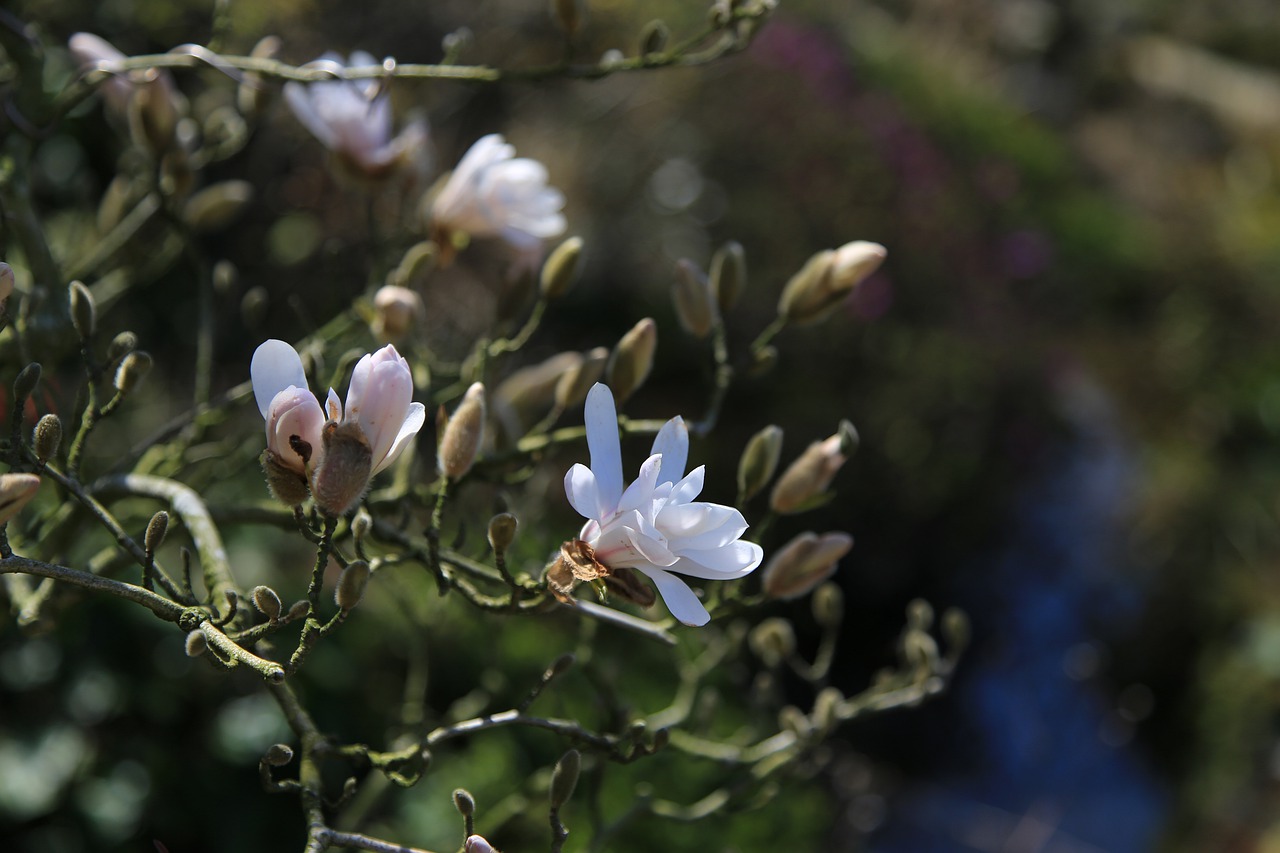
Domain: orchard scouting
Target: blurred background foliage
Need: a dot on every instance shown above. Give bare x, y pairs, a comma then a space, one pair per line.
1065, 379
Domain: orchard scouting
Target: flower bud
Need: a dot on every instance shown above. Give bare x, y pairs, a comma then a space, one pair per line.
396, 311
561, 269
253, 306
298, 610
215, 207
251, 95
807, 478
346, 463
157, 527
16, 491
728, 274
773, 641
464, 802
197, 644
132, 371
827, 278
278, 755
759, 461
25, 382
654, 37
285, 484
574, 383
153, 112
695, 305
46, 437
361, 524
568, 14
83, 310
803, 563
502, 531
267, 601
225, 275
632, 359
463, 434
351, 585
477, 844
565, 778
6, 281
121, 345
828, 605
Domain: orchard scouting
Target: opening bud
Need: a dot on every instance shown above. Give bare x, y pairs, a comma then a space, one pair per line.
132, 371
47, 437
196, 644
278, 755
502, 531
6, 281
339, 480
267, 601
803, 563
464, 802
16, 491
565, 778
351, 585
827, 278
396, 311
728, 274
828, 605
773, 641
157, 527
26, 381
561, 269
694, 302
805, 482
759, 462
632, 359
463, 434
83, 310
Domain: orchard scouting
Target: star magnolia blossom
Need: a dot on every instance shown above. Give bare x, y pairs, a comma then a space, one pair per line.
654, 525
493, 193
353, 120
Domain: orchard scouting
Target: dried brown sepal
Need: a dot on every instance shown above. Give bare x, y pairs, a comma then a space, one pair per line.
627, 584
577, 562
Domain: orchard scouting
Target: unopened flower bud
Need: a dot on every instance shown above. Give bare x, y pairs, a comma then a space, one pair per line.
560, 665
339, 480
632, 359
464, 802
759, 461
153, 114
285, 484
298, 610
46, 437
568, 14
267, 601
278, 755
565, 778
351, 585
121, 345
16, 491
574, 383
773, 641
157, 527
132, 371
197, 644
808, 477
803, 563
6, 281
694, 302
25, 382
728, 274
477, 844
361, 524
396, 311
83, 310
215, 207
251, 95
828, 605
463, 434
225, 276
654, 37
826, 279
502, 531
561, 268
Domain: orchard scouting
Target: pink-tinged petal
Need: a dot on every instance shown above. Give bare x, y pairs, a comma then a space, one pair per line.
294, 411
673, 443
623, 544
274, 367
699, 526
639, 494
582, 490
680, 600
690, 487
333, 406
606, 449
299, 98
382, 410
359, 384
413, 422
724, 563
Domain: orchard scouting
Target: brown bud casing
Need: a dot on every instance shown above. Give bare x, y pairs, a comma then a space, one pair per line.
803, 563
346, 461
157, 528
46, 437
351, 585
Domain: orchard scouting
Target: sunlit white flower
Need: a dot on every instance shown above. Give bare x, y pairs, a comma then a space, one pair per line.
654, 525
289, 407
352, 118
380, 400
493, 193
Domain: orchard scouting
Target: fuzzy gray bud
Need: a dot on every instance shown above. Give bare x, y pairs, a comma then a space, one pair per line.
157, 527
298, 610
828, 278
463, 434
502, 531
197, 644
46, 437
340, 479
464, 802
803, 563
267, 601
132, 371
83, 310
561, 268
26, 381
351, 585
121, 345
278, 755
565, 778
574, 383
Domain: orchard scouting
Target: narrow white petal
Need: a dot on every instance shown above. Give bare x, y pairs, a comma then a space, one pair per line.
333, 406
276, 366
384, 407
680, 600
673, 443
690, 487
359, 384
639, 495
606, 449
699, 526
413, 422
581, 488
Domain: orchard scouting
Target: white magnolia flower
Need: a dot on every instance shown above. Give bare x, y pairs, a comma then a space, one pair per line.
380, 400
493, 193
352, 118
654, 525
289, 407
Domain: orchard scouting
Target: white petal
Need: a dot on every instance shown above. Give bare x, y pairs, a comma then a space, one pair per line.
359, 384
639, 495
606, 449
680, 600
690, 487
726, 563
700, 526
413, 422
581, 488
276, 366
333, 406
298, 96
673, 443
384, 407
